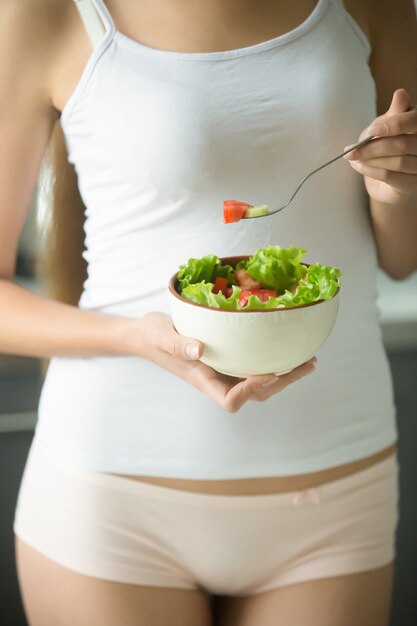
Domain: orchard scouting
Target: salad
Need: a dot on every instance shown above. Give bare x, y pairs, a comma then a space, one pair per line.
235, 210
273, 277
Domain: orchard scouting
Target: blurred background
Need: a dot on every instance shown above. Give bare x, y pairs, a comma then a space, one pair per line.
20, 384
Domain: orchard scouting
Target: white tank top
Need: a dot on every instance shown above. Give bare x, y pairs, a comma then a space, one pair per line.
159, 139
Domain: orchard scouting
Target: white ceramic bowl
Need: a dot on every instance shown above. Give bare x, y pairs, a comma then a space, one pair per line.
243, 343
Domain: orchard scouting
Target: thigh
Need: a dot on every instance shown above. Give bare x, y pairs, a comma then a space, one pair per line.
54, 595
362, 599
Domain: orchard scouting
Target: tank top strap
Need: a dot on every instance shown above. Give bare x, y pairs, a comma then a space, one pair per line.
340, 6
96, 18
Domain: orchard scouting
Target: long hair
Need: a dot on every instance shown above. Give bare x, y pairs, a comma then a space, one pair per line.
60, 267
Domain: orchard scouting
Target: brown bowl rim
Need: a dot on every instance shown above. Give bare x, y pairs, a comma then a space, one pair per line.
233, 260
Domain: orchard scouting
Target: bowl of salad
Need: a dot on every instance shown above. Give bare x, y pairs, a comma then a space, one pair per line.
260, 314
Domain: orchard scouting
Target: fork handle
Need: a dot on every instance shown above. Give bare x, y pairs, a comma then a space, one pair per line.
339, 156
362, 143
354, 147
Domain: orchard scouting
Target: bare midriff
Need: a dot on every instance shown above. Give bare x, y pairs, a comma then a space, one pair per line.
267, 484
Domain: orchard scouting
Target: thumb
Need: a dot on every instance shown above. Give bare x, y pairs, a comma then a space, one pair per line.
184, 348
400, 103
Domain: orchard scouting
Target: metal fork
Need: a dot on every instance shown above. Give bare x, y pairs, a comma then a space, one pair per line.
339, 156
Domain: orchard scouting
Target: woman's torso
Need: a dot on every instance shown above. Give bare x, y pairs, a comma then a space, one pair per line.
143, 24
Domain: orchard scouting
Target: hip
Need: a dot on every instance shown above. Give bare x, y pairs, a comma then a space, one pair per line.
129, 531
268, 484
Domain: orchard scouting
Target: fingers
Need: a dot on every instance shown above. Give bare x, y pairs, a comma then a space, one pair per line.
160, 333
400, 118
180, 355
232, 393
261, 388
398, 180
385, 147
400, 102
405, 164
394, 125
180, 347
391, 158
279, 383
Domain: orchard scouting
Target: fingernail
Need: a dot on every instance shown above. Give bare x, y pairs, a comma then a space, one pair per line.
348, 155
356, 164
269, 382
191, 350
379, 128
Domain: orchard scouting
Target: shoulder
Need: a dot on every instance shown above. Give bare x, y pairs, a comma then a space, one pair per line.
36, 28
41, 39
31, 30
37, 19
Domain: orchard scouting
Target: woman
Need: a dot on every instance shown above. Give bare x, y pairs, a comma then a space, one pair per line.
153, 482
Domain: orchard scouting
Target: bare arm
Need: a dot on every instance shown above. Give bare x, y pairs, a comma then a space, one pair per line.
29, 324
389, 164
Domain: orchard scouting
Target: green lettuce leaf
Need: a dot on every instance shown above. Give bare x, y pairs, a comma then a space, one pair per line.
274, 267
202, 293
277, 268
320, 283
205, 270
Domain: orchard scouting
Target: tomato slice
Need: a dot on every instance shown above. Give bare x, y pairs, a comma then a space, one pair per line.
220, 284
234, 210
262, 294
246, 281
244, 296
233, 214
